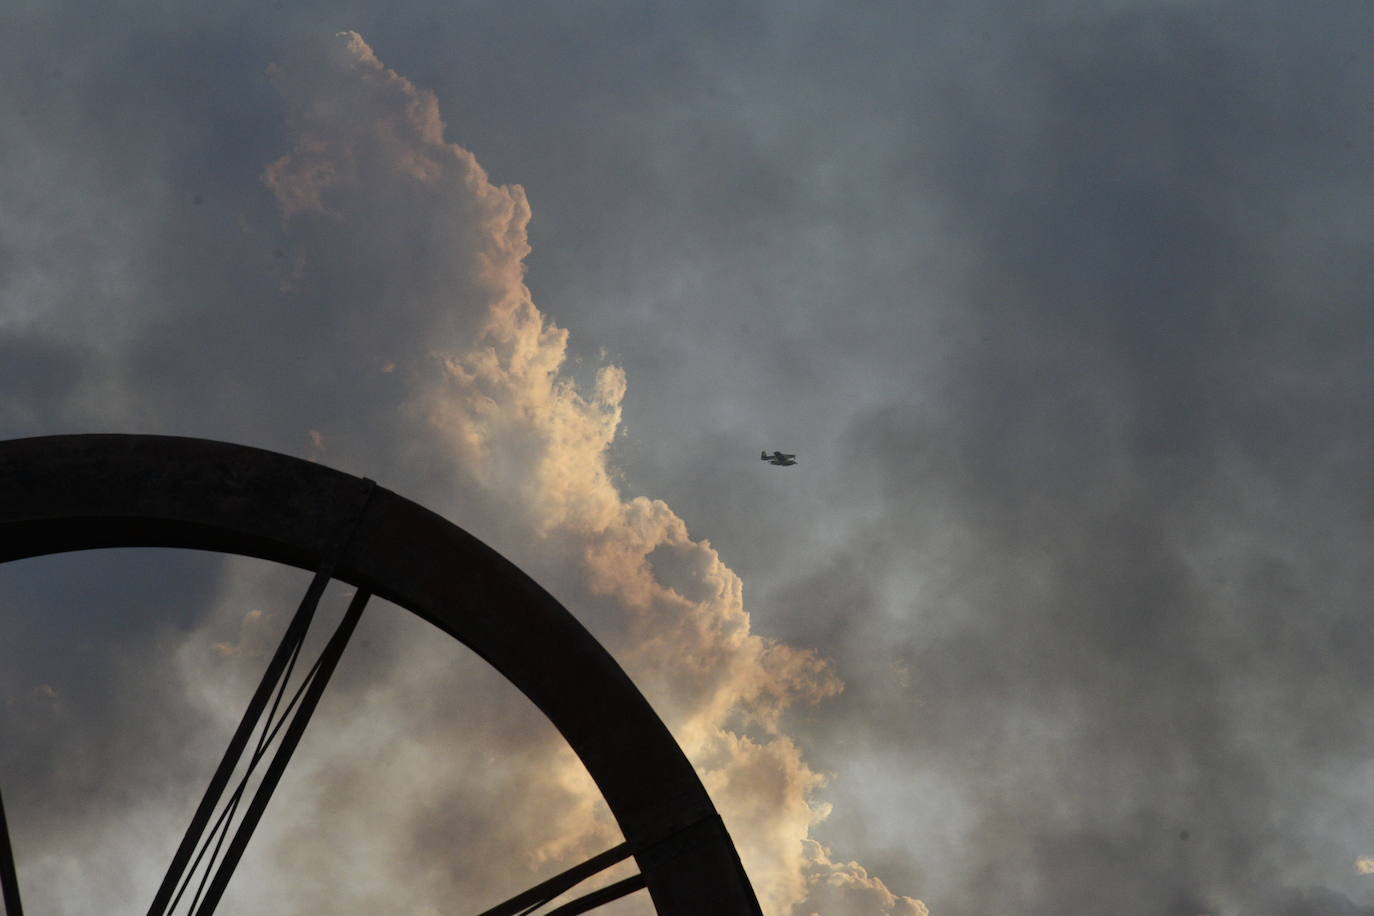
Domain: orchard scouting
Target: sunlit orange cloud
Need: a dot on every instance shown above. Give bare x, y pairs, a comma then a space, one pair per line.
512, 436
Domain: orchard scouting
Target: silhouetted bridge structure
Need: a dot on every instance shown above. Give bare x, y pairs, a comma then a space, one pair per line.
66, 493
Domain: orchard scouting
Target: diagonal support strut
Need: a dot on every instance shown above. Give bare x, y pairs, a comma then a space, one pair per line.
329, 659
542, 893
295, 633
596, 898
9, 880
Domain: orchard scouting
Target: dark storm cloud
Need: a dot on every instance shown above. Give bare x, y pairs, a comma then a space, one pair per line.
1313, 901
1134, 511
36, 376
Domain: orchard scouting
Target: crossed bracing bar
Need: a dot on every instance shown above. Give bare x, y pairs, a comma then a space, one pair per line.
9, 882
526, 903
216, 872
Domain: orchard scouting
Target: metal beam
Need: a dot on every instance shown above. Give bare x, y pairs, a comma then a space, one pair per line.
329, 659
596, 898
9, 879
545, 891
286, 650
222, 823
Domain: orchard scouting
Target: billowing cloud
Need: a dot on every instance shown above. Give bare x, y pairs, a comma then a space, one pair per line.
399, 283
847, 887
385, 206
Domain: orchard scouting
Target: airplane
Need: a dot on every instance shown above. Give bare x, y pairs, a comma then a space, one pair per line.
780, 459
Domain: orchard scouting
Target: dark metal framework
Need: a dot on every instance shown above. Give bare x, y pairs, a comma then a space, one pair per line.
65, 493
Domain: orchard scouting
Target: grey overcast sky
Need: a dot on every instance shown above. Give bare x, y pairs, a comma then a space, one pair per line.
1065, 308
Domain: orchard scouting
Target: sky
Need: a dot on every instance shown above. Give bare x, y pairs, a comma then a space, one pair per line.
1064, 308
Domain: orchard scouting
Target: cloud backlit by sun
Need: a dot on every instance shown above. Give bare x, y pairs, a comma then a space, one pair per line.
372, 192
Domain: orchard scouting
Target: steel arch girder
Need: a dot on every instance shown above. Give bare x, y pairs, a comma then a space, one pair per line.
66, 493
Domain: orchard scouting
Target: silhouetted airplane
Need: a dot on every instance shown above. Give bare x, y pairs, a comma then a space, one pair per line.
781, 459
